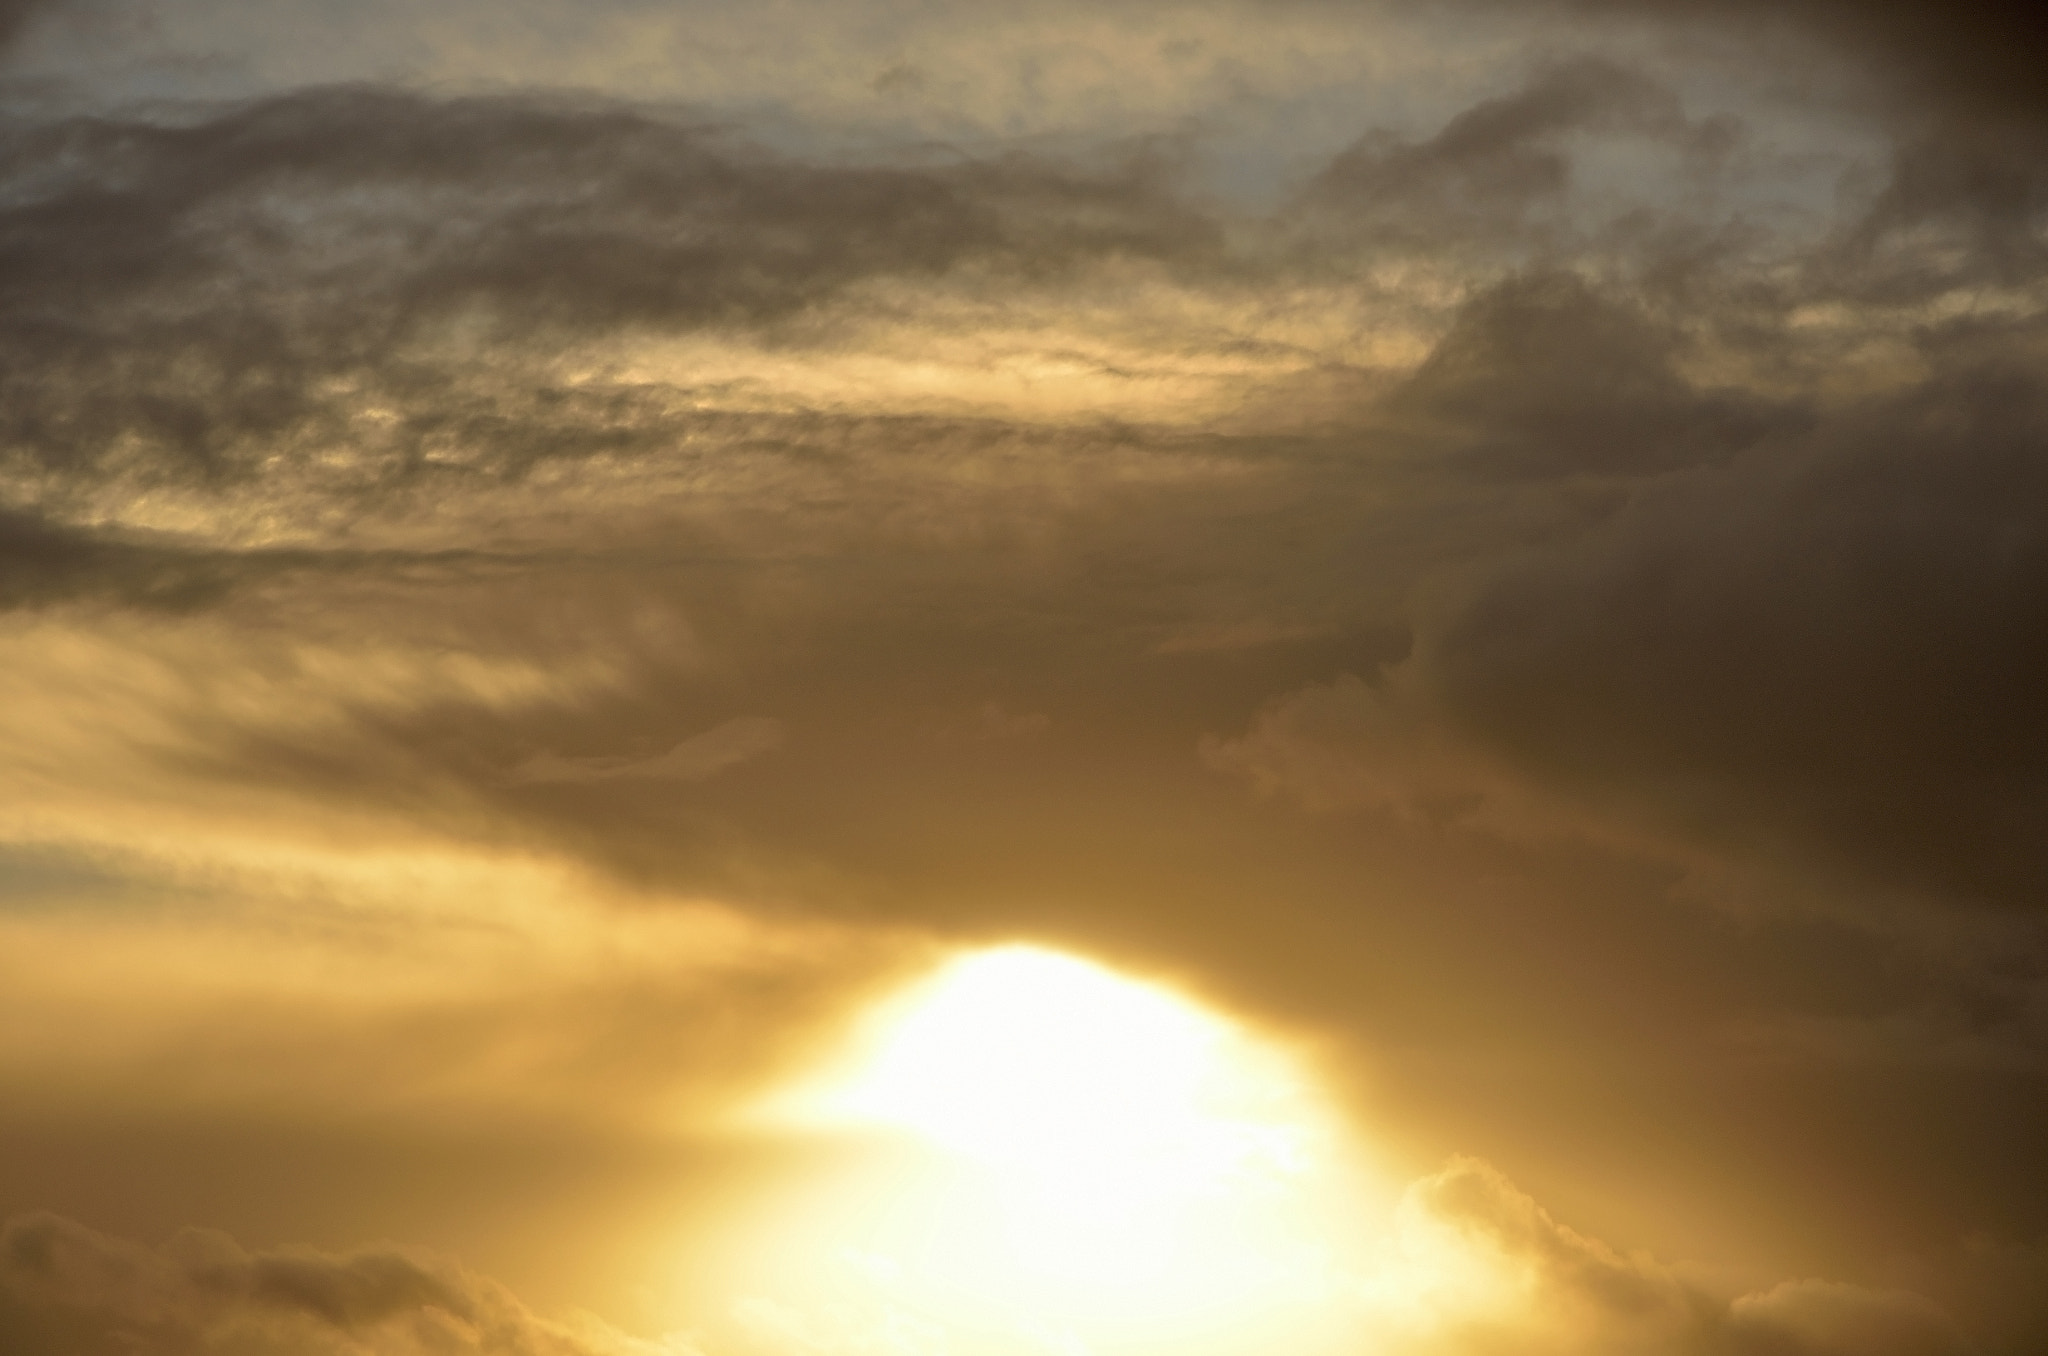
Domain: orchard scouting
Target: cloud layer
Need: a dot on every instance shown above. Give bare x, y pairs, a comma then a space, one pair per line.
1513, 538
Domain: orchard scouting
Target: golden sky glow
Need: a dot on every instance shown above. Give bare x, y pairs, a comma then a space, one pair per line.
1165, 678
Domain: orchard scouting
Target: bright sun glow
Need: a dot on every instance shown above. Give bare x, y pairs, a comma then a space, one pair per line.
1097, 1165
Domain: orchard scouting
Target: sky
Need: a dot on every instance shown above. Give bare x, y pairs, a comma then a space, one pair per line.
894, 678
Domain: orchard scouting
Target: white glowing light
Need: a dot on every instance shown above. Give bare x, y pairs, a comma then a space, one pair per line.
1047, 1066
1105, 1165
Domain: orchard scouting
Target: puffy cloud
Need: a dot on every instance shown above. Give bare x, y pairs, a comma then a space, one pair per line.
66, 1290
1490, 1270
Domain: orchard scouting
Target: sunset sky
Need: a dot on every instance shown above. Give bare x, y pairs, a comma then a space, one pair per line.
1066, 678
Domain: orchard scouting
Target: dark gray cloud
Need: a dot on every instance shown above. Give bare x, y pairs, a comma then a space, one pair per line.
1979, 57
1980, 193
222, 302
1542, 375
197, 290
306, 240
1807, 635
1835, 640
1492, 164
15, 16
42, 563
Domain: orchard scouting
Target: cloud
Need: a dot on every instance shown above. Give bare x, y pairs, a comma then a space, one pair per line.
1346, 745
696, 759
66, 1290
1828, 1318
1796, 629
1497, 1273
989, 723
1491, 164
358, 317
43, 563
358, 290
1974, 56
1836, 640
404, 990
1963, 207
357, 340
1543, 375
15, 16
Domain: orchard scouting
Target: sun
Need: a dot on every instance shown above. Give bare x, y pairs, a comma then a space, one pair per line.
1086, 1086
1087, 1160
